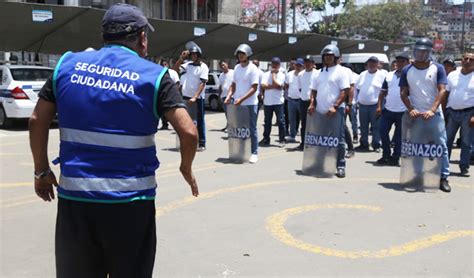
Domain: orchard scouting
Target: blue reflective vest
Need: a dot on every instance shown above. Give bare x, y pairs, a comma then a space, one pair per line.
106, 103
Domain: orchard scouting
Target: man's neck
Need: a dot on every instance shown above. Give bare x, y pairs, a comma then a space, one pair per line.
244, 63
421, 65
466, 71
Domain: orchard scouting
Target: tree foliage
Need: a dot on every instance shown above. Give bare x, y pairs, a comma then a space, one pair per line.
327, 25
386, 22
262, 13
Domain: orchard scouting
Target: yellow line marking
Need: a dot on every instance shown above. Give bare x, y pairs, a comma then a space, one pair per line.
16, 184
211, 165
18, 201
160, 211
12, 200
51, 152
275, 225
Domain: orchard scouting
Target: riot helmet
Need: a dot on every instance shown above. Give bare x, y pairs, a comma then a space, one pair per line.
244, 48
422, 50
331, 49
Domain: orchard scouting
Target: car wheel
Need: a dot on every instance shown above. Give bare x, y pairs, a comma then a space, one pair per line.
214, 104
4, 121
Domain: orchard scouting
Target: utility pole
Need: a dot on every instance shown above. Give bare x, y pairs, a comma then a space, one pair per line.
283, 16
463, 23
278, 17
294, 16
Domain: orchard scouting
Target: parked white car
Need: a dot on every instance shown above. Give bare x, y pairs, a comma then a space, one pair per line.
19, 88
213, 101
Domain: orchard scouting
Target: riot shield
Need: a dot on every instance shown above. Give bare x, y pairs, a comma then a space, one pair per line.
238, 133
422, 152
323, 135
193, 112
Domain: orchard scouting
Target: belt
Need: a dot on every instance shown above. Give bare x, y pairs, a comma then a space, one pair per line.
294, 98
462, 110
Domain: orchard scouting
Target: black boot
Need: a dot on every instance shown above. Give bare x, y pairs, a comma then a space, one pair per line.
444, 185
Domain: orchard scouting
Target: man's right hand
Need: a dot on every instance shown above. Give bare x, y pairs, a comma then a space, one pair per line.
184, 54
414, 113
190, 179
378, 112
311, 109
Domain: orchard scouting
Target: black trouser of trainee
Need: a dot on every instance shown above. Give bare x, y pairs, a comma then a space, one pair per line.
304, 104
96, 240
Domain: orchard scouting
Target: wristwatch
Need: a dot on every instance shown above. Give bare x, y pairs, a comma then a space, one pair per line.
42, 174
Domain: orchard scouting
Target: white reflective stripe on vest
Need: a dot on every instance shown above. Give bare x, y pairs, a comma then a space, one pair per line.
103, 184
106, 140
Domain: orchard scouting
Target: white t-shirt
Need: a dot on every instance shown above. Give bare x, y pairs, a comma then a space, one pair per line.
369, 86
273, 96
173, 75
225, 81
244, 78
293, 85
354, 80
305, 79
461, 90
191, 78
329, 85
393, 101
260, 76
423, 85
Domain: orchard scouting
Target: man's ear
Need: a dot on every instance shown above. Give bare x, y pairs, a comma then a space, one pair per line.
143, 39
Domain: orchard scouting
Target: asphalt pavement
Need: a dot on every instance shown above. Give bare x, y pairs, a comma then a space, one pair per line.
260, 220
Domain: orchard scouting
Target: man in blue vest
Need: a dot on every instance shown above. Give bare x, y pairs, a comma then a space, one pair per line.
108, 104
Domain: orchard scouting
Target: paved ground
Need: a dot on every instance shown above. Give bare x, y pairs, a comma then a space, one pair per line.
263, 220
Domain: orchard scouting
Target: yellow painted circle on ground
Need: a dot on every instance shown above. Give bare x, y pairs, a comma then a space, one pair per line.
275, 224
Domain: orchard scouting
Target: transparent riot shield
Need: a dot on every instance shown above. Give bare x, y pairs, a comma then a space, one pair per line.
422, 152
193, 112
323, 134
239, 133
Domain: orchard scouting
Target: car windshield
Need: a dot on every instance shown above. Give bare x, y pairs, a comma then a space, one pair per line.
28, 74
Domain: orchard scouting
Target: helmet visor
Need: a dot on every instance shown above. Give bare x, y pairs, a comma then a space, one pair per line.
421, 55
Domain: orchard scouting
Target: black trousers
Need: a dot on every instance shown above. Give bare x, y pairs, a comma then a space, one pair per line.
304, 104
96, 240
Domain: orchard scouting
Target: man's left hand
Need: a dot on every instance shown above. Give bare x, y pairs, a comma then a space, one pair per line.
428, 115
331, 112
192, 100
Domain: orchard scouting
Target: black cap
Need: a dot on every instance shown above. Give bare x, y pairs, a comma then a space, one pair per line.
276, 60
123, 19
373, 58
403, 55
308, 58
449, 62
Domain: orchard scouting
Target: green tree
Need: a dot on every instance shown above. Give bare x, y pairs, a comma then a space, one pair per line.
328, 25
386, 22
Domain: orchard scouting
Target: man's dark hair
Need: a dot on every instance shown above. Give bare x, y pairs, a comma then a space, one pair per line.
164, 61
124, 39
223, 61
